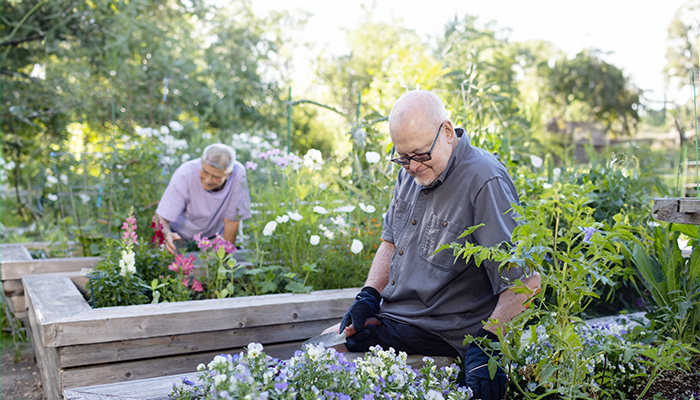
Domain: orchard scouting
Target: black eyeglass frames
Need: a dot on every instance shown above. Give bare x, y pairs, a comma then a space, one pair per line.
418, 157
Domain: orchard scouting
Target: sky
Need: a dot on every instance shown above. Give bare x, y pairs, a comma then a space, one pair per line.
631, 33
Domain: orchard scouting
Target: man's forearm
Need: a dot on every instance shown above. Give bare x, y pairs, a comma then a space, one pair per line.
511, 304
165, 225
230, 230
378, 276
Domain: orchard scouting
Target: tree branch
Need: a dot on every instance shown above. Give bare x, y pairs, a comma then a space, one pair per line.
22, 40
17, 75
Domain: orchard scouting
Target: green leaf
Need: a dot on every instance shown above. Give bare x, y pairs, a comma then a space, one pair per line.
221, 252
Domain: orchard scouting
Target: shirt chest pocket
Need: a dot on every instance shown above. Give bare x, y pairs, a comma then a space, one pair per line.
440, 231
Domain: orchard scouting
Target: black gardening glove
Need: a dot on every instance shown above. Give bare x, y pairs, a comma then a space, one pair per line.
366, 305
476, 372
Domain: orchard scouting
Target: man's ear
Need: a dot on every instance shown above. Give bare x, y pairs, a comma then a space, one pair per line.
450, 134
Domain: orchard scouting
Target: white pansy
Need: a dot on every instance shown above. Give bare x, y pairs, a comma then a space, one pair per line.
295, 216
434, 395
536, 161
372, 157
51, 179
356, 246
164, 129
254, 349
176, 126
345, 209
219, 379
314, 240
269, 228
282, 219
320, 210
367, 208
52, 197
201, 367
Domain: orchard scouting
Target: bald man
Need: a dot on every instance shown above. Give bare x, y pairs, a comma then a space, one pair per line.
427, 303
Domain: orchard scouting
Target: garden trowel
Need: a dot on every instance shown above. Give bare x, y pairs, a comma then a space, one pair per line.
331, 339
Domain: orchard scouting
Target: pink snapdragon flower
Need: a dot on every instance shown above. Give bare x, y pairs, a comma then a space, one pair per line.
196, 285
129, 227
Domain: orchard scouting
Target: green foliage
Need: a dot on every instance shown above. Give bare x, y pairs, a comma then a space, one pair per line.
109, 287
672, 280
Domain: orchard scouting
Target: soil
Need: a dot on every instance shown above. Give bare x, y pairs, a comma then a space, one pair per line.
20, 380
677, 385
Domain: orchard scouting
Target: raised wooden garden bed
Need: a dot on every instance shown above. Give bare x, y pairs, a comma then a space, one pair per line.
78, 346
16, 262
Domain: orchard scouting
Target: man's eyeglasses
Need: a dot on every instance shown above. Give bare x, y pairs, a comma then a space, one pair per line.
418, 157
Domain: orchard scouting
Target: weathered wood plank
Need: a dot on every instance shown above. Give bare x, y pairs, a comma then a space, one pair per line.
13, 287
125, 350
52, 298
688, 205
154, 320
18, 269
151, 368
668, 210
13, 252
47, 359
17, 305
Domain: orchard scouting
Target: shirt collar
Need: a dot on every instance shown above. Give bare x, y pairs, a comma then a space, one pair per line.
463, 145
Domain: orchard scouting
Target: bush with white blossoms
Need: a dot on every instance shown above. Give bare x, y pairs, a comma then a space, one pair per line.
318, 373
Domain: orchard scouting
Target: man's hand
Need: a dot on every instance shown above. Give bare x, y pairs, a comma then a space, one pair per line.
366, 305
477, 377
170, 238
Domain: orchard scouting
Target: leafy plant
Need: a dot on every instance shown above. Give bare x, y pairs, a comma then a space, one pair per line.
673, 281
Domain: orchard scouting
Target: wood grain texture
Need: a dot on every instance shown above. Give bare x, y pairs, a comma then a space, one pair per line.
125, 350
151, 368
668, 210
154, 320
13, 252
46, 359
18, 269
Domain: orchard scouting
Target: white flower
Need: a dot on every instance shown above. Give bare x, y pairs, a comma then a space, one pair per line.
144, 132
84, 198
322, 186
345, 209
125, 138
254, 349
356, 246
282, 219
329, 234
164, 129
176, 126
206, 135
51, 179
314, 240
372, 157
185, 157
367, 208
219, 379
126, 180
320, 210
315, 352
434, 395
547, 185
52, 197
536, 161
313, 159
339, 220
64, 178
10, 165
201, 367
295, 216
269, 228
127, 263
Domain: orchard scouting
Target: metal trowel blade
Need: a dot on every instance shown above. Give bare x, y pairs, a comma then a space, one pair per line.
328, 339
